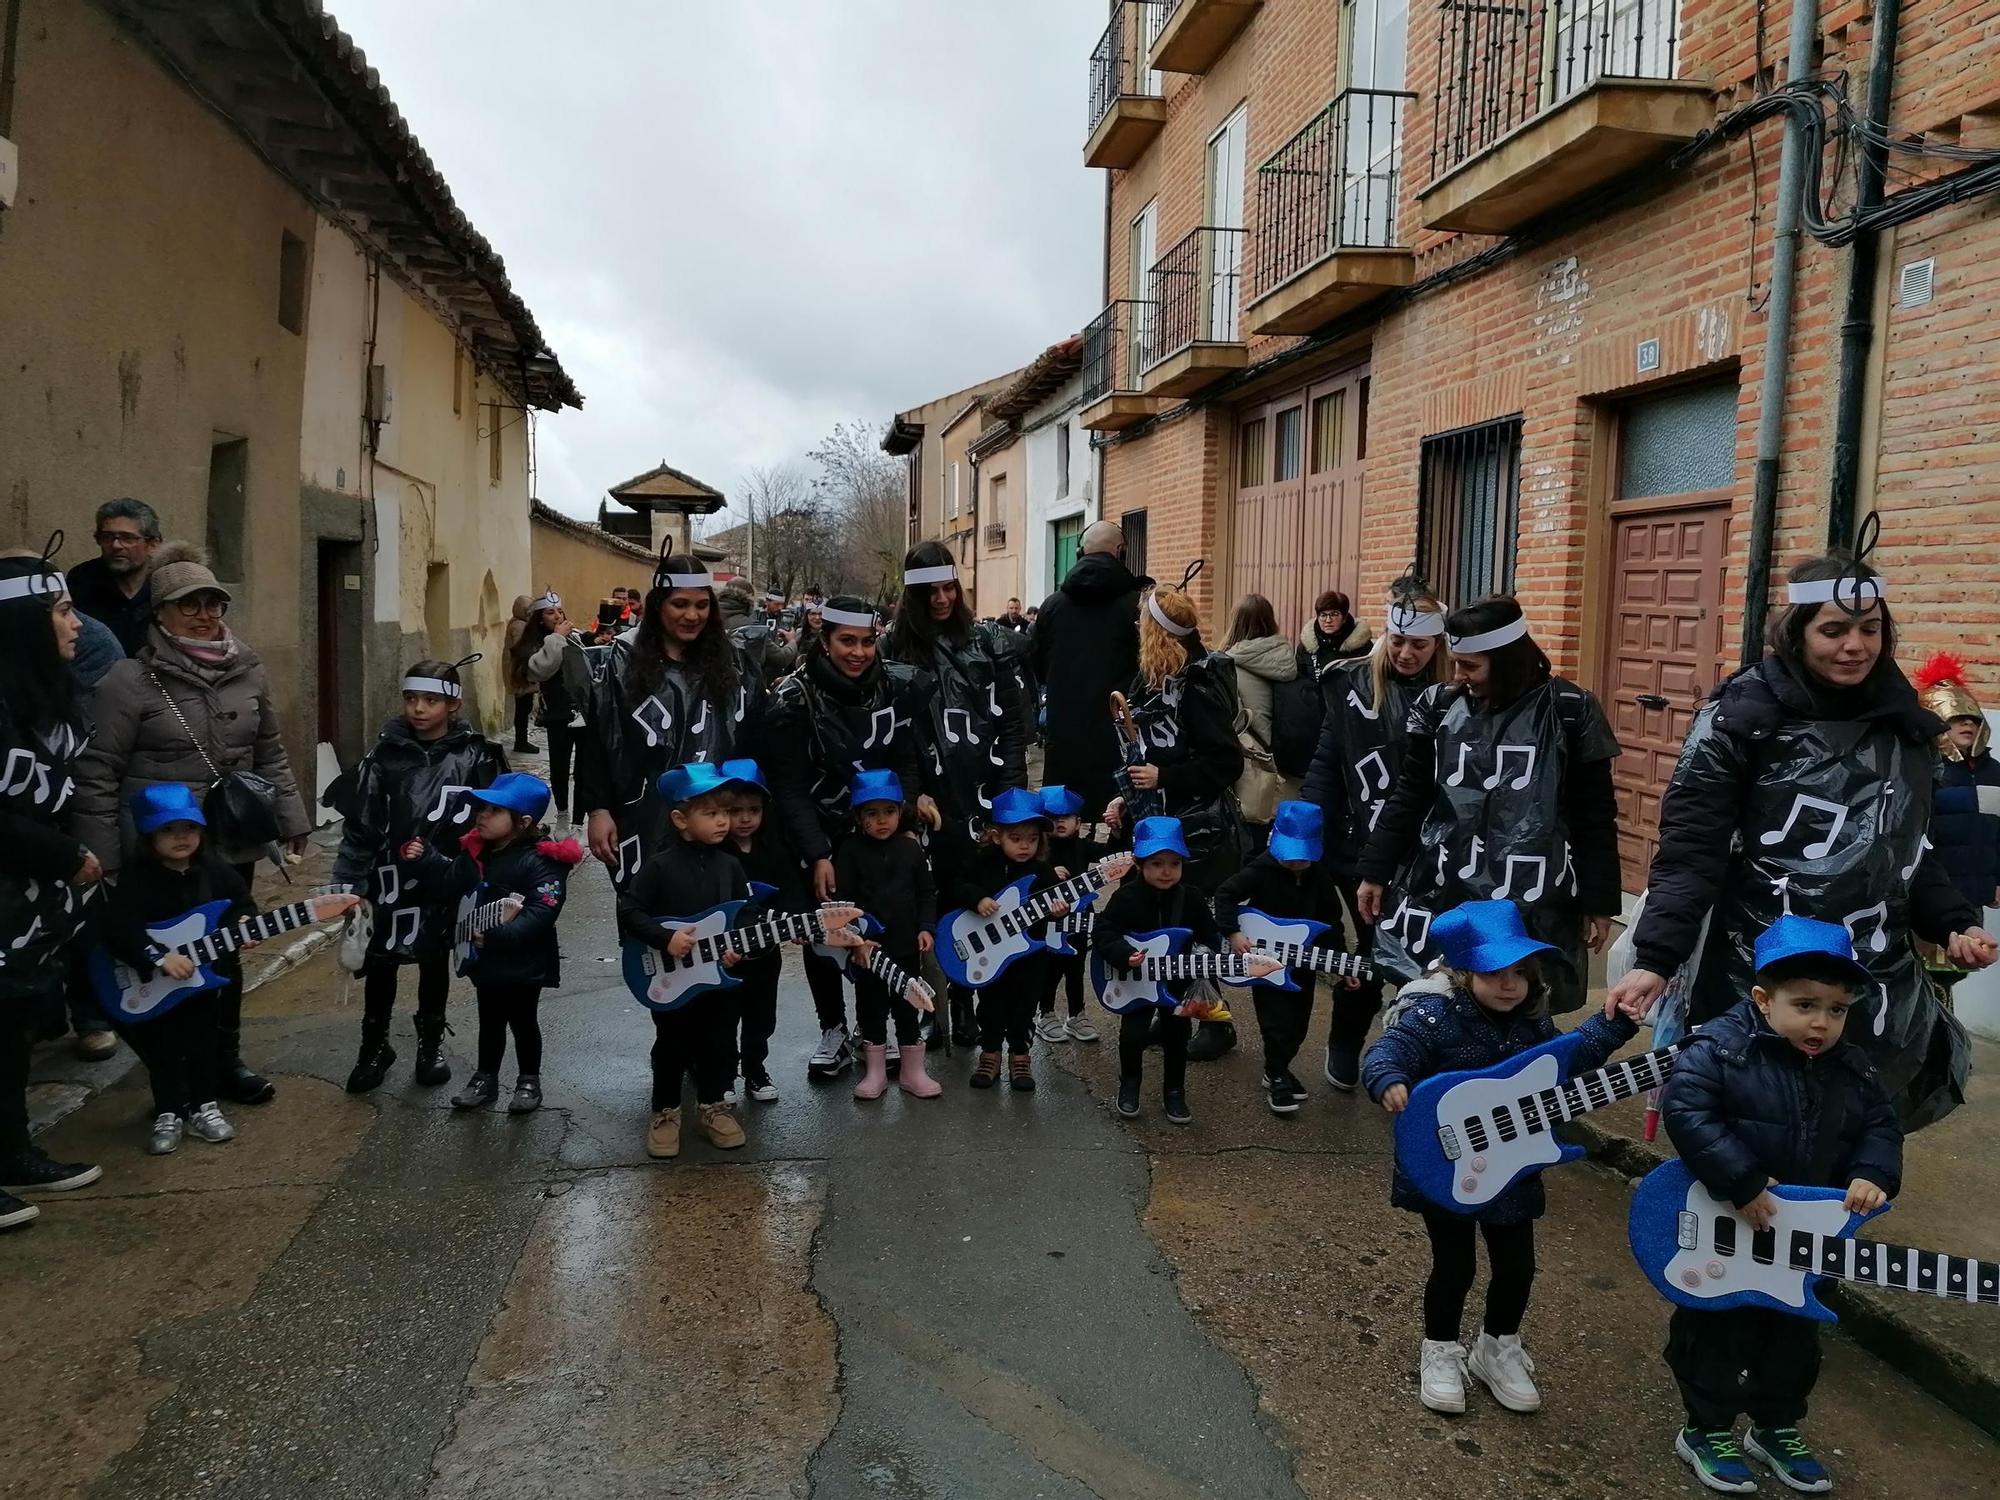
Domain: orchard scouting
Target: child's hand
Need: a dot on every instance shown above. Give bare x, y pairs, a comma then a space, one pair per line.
681, 944
987, 906
926, 943
1239, 943
1350, 983
731, 958
479, 940
177, 966
1062, 872
1058, 908
1973, 948
1864, 1197
1263, 964
511, 907
1395, 1098
1633, 1004
414, 849
1134, 960
1762, 1209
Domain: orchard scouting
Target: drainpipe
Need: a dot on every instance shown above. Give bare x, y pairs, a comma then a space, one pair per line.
1777, 343
1857, 329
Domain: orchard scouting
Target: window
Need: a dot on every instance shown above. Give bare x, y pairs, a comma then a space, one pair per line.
1285, 462
951, 490
1329, 439
1250, 459
996, 504
1226, 167
1062, 459
1133, 524
1678, 443
291, 282
492, 409
228, 478
1065, 540
1143, 249
1468, 518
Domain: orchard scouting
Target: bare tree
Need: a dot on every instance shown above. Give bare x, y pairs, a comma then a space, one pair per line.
784, 529
864, 490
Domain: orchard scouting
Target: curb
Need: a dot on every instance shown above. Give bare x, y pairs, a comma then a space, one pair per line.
1873, 1323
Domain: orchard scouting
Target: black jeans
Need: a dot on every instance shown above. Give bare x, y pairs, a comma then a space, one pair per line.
755, 1003
562, 746
874, 1005
1135, 1031
1354, 1011
1753, 1360
1065, 972
524, 715
504, 1008
1510, 1250
16, 1047
1282, 1017
178, 1050
829, 992
694, 1039
380, 979
1007, 1005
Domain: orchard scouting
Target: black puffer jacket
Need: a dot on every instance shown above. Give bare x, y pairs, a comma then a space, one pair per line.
523, 951
972, 733
1084, 646
40, 910
822, 727
1137, 907
1965, 826
1743, 1105
1188, 726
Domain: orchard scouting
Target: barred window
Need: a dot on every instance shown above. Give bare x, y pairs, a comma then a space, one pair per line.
1468, 520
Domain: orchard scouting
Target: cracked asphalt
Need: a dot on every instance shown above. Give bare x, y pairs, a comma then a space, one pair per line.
989, 1294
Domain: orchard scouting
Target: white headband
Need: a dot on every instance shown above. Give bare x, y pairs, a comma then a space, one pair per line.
32, 584
944, 573
550, 600
436, 686
1165, 621
690, 581
1856, 592
1404, 621
1493, 640
834, 616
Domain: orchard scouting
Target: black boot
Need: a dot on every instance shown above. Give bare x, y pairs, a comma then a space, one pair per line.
480, 1090
1210, 1040
372, 1064
964, 1029
432, 1069
234, 1081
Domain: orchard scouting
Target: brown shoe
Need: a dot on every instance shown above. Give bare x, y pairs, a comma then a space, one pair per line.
663, 1135
988, 1072
719, 1124
95, 1046
1019, 1075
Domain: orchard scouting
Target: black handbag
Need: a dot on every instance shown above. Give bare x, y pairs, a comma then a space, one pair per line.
241, 806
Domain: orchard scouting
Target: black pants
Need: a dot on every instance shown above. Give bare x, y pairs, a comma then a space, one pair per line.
755, 1017
874, 1005
562, 746
1065, 972
1007, 1006
695, 1039
1510, 1251
16, 1047
1354, 1011
1283, 1016
1135, 1031
178, 1050
1752, 1360
504, 1008
380, 980
524, 715
829, 991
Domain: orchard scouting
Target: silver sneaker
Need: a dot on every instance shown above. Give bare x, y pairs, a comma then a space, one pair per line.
207, 1124
166, 1135
1052, 1028
1507, 1371
1080, 1029
1442, 1376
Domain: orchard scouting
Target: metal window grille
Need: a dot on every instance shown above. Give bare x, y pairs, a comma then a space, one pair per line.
1198, 282
1469, 516
1118, 62
1333, 184
1115, 348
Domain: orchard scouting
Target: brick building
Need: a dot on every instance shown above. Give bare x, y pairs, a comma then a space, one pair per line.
1470, 285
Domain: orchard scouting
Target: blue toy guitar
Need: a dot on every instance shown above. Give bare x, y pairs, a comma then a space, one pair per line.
974, 951
1296, 942
1081, 922
662, 983
1168, 961
196, 935
1465, 1138
1699, 1252
867, 933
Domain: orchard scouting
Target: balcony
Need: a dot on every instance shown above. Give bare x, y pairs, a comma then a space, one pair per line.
1128, 109
1193, 34
1112, 399
1327, 238
1197, 337
1539, 104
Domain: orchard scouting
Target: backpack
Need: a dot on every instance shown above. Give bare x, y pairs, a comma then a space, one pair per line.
1296, 710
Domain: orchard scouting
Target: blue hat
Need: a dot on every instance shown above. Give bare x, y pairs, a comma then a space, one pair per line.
1296, 831
1791, 937
874, 786
1017, 805
1060, 802
153, 807
518, 792
1152, 836
1483, 936
748, 772
695, 779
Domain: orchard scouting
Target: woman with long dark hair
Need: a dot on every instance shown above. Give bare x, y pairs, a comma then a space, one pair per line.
48, 874
1362, 740
970, 730
1805, 786
1504, 794
676, 690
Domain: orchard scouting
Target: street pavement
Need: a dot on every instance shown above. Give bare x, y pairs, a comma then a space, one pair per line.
986, 1294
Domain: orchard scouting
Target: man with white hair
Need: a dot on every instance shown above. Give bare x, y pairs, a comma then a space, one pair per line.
1084, 645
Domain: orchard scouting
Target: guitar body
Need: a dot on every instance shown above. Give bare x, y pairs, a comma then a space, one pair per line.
124, 995
971, 949
1123, 996
1432, 1146
1059, 941
465, 950
660, 983
1673, 1228
1272, 932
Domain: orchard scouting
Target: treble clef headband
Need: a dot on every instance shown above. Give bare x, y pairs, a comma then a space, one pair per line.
441, 687
45, 582
1858, 588
1407, 615
662, 579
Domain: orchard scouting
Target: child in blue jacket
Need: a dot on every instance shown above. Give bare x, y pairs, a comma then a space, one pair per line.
1496, 1006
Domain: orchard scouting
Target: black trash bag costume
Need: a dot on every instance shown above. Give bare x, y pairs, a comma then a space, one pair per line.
822, 728
969, 726
40, 910
1188, 728
1360, 753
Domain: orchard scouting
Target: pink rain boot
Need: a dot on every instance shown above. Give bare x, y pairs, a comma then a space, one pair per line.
913, 1079
875, 1076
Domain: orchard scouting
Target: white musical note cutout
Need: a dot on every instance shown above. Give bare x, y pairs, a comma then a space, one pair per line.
403, 927
1924, 845
1820, 848
700, 724
1500, 754
881, 727
1567, 874
1361, 708
443, 805
628, 860
22, 766
1457, 778
34, 930
742, 701
1398, 925
1881, 1007
964, 716
1534, 892
388, 884
1876, 917
1164, 733
656, 719
1782, 884
1374, 758
993, 700
1471, 866
1375, 814
1444, 859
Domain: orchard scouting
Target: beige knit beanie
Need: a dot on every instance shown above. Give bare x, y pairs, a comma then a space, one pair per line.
179, 569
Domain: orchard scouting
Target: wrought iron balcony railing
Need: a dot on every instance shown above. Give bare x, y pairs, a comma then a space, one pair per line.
1118, 63
1115, 349
1332, 185
1500, 65
1197, 285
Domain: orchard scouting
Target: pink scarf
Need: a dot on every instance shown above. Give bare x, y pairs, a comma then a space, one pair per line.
219, 652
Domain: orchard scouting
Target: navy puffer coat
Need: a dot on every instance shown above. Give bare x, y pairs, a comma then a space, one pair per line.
1965, 826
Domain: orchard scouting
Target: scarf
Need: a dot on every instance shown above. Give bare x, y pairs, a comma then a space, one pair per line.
214, 654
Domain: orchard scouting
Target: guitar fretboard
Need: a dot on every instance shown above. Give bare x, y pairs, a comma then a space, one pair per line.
1957, 1278
886, 969
1533, 1113
758, 937
1319, 960
258, 929
484, 919
996, 930
1236, 966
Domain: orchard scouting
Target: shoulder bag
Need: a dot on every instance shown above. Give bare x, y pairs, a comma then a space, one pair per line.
241, 806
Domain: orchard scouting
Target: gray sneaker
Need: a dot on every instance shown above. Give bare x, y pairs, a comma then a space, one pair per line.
166, 1135
207, 1124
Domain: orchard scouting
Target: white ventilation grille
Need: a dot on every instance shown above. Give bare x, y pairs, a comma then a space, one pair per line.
1915, 282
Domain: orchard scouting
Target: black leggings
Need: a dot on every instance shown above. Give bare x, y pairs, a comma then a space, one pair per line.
1282, 1017
1007, 1006
829, 992
562, 745
178, 1050
874, 1005
1510, 1248
1065, 972
755, 1003
1135, 1030
694, 1039
16, 1047
524, 714
504, 1008
379, 983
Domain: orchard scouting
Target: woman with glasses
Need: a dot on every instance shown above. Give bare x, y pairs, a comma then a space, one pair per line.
191, 704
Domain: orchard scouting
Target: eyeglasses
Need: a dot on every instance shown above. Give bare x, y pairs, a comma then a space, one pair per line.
201, 604
120, 539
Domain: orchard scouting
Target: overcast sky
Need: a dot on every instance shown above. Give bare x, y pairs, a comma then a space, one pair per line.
741, 221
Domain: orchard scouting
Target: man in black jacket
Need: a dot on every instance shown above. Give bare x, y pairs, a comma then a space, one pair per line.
115, 588
1085, 645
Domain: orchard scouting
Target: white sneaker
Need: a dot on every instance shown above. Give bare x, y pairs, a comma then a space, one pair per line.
1080, 1029
166, 1135
1442, 1376
1052, 1028
831, 1055
207, 1124
1507, 1371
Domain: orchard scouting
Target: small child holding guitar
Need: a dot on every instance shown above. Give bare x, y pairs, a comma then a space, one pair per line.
1071, 852
1016, 844
759, 844
877, 866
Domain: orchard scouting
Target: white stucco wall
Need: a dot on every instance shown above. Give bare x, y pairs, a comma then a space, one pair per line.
1044, 507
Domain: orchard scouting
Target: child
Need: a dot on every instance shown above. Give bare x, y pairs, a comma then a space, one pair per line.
1497, 1005
760, 848
1016, 844
688, 874
1071, 853
172, 873
1769, 1092
403, 818
512, 963
1156, 899
1965, 804
1284, 881
879, 868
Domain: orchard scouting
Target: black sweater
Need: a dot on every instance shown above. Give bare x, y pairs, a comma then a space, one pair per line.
1268, 886
891, 880
149, 893
683, 880
1137, 907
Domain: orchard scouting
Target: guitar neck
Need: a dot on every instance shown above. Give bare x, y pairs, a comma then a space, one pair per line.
1605, 1086
1036, 908
1320, 960
759, 937
482, 919
1956, 1278
226, 940
888, 971
1171, 966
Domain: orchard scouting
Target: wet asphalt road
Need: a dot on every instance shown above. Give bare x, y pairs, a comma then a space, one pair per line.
981, 1295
